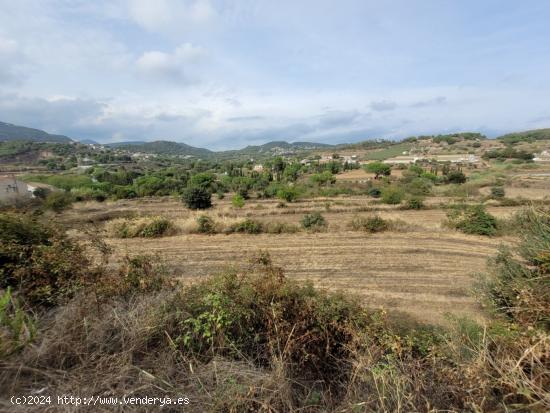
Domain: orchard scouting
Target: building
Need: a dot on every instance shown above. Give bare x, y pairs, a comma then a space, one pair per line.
457, 158
12, 189
258, 168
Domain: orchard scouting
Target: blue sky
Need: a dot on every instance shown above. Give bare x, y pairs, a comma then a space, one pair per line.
225, 74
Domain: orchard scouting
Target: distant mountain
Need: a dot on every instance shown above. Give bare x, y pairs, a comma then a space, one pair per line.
286, 145
526, 136
9, 132
163, 148
89, 142
128, 143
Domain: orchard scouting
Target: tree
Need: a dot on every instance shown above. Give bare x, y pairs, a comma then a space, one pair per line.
378, 169
456, 177
196, 197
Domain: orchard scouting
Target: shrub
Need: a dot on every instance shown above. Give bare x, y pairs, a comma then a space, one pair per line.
497, 192
369, 224
39, 263
392, 195
41, 193
197, 197
263, 317
248, 226
150, 227
419, 186
518, 285
472, 220
313, 221
58, 201
375, 192
455, 177
237, 201
158, 227
206, 225
16, 326
414, 203
287, 194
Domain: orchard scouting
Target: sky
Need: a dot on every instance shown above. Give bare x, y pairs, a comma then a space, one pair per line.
224, 74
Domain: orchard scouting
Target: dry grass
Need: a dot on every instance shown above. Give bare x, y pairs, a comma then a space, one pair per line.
424, 271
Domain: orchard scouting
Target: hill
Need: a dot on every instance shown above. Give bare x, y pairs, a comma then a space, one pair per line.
526, 136
9, 132
163, 148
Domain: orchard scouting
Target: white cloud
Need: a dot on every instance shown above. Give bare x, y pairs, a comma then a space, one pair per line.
171, 16
12, 62
171, 66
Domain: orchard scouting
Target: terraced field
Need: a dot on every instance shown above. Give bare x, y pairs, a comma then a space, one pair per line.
424, 270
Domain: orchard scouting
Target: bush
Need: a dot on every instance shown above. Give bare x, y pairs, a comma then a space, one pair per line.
158, 227
287, 194
58, 201
143, 227
263, 317
392, 195
313, 221
39, 263
497, 192
522, 289
206, 225
455, 177
369, 224
16, 326
472, 220
375, 192
248, 226
414, 203
197, 197
237, 201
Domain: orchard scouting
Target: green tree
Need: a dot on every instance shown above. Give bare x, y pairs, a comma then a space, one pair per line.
196, 197
378, 169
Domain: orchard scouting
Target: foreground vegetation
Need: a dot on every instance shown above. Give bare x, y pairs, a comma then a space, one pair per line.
250, 339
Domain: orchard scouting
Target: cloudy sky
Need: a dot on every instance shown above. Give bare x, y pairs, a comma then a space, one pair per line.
224, 74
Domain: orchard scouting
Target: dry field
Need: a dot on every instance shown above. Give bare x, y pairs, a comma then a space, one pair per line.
424, 270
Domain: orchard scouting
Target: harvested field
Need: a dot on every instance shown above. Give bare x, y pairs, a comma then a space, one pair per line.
424, 270
424, 274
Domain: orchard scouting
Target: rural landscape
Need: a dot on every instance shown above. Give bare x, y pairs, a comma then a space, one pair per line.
309, 206
405, 230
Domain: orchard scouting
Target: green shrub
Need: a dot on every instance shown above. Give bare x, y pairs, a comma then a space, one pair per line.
313, 221
58, 201
375, 192
472, 220
158, 227
39, 263
237, 201
497, 192
197, 197
248, 226
206, 225
392, 195
455, 177
287, 194
419, 187
369, 224
414, 203
16, 326
261, 316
